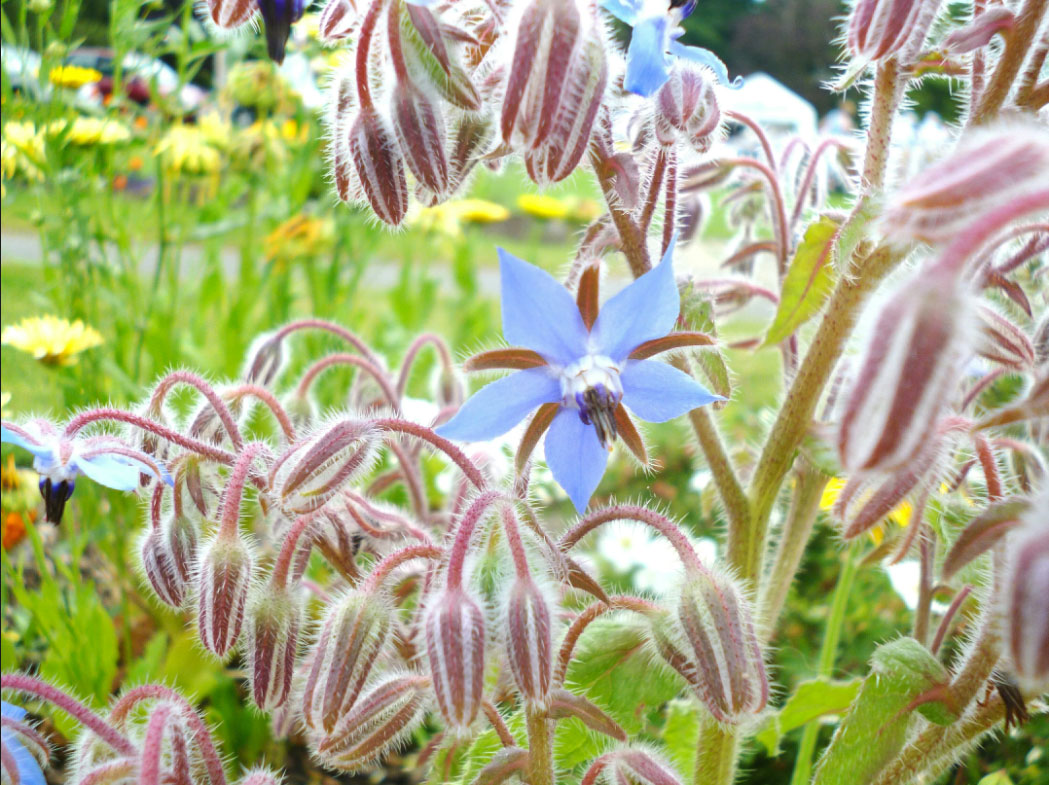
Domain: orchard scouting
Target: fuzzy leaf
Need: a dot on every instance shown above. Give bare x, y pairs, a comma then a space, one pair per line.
809, 280
681, 733
982, 532
810, 700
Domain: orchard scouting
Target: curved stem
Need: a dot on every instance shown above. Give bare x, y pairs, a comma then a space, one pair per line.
269, 400
457, 456
810, 172
778, 208
330, 327
282, 565
153, 746
467, 524
105, 414
763, 138
198, 383
413, 352
229, 510
364, 364
395, 560
633, 512
588, 615
498, 725
1017, 44
655, 184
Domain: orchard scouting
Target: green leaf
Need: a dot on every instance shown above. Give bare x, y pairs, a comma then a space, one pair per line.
616, 668
810, 700
999, 777
681, 733
809, 280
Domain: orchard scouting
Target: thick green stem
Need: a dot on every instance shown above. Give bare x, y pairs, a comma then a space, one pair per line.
887, 89
540, 748
716, 754
828, 655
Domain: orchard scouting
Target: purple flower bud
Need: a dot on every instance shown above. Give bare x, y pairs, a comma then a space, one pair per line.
686, 105
639, 766
879, 29
1002, 341
472, 137
194, 484
913, 361
529, 640
378, 167
223, 581
377, 723
1027, 586
169, 555
231, 14
315, 469
266, 358
273, 620
337, 20
454, 626
420, 130
349, 640
718, 626
979, 32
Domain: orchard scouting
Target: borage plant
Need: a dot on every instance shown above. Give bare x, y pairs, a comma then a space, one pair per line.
369, 610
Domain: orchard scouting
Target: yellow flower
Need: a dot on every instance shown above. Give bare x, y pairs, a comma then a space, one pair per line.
543, 206
215, 130
299, 237
74, 76
51, 340
259, 146
87, 131
185, 150
448, 218
901, 514
22, 151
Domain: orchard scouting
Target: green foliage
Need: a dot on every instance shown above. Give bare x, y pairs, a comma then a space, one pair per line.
810, 278
810, 699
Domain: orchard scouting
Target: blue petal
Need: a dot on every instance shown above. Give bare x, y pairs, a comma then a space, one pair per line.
29, 772
647, 64
644, 310
113, 471
7, 436
495, 409
539, 313
705, 57
656, 392
11, 711
575, 456
623, 11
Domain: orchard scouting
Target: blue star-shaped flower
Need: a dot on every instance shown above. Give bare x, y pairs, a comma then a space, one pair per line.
589, 370
60, 460
654, 44
27, 767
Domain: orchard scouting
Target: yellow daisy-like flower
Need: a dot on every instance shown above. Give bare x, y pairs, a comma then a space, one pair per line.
215, 130
89, 131
543, 206
448, 218
901, 514
74, 76
185, 150
22, 151
50, 339
259, 146
302, 236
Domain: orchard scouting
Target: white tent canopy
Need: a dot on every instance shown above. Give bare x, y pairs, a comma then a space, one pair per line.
776, 107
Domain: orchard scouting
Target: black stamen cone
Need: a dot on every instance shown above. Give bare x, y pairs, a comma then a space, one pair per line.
1015, 709
278, 16
55, 498
601, 411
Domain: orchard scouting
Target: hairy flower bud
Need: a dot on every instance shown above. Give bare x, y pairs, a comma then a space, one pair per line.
454, 628
640, 766
1003, 342
169, 554
231, 14
266, 358
223, 581
377, 723
271, 631
529, 640
472, 137
378, 166
338, 540
686, 106
879, 29
912, 363
718, 628
315, 469
1027, 613
988, 168
420, 130
350, 638
337, 20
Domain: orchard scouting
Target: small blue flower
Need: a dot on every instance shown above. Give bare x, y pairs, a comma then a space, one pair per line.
588, 373
60, 460
654, 44
27, 767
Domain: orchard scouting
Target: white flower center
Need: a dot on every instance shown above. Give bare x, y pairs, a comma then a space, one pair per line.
592, 387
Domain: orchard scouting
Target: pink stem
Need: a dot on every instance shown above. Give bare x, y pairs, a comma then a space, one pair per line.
413, 352
364, 44
155, 501
945, 622
282, 565
457, 456
753, 125
229, 510
118, 415
365, 365
779, 212
514, 541
108, 772
395, 560
412, 478
461, 544
584, 619
810, 173
633, 512
193, 380
271, 402
331, 327
153, 745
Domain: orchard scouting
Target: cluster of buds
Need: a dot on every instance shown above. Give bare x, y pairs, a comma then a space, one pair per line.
881, 29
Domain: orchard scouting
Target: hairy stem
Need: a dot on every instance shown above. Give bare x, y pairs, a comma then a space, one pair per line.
716, 754
733, 497
540, 748
1017, 44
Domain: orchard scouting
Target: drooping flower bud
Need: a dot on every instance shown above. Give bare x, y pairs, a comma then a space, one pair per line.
377, 723
686, 106
988, 168
879, 29
336, 21
315, 469
223, 581
1027, 586
419, 125
169, 554
377, 164
640, 766
271, 631
454, 627
265, 360
1002, 341
979, 32
529, 640
231, 14
718, 626
338, 541
350, 638
912, 364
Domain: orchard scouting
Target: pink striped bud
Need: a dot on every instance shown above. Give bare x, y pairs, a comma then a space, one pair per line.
1003, 342
271, 633
529, 640
1026, 589
377, 166
261, 777
454, 626
913, 361
338, 541
350, 639
378, 723
420, 130
718, 626
472, 137
638, 767
879, 29
988, 168
686, 106
979, 32
436, 50
337, 20
231, 14
265, 360
223, 581
194, 485
169, 554
315, 469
